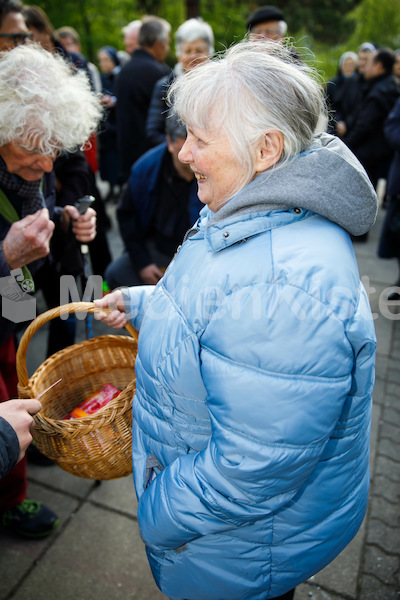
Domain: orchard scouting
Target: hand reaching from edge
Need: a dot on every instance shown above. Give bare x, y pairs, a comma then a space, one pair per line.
18, 413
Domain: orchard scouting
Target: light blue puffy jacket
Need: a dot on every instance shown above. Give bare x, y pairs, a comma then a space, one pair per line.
252, 411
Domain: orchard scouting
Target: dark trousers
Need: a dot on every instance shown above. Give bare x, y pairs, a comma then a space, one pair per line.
121, 271
12, 486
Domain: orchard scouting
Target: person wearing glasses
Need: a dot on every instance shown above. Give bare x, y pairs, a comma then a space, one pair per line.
13, 30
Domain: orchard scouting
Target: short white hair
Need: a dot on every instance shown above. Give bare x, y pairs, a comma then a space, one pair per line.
282, 25
346, 56
192, 30
44, 105
254, 88
132, 26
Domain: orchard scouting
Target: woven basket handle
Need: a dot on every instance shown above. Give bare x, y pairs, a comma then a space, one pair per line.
42, 320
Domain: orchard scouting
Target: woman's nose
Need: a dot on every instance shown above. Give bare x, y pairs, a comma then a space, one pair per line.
185, 153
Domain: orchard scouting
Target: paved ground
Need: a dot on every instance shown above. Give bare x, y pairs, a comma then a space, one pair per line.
96, 553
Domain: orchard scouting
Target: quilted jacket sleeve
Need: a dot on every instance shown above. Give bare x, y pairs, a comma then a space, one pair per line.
136, 300
274, 399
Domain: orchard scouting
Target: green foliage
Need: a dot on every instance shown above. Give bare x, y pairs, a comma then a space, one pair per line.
99, 22
325, 20
228, 20
378, 22
325, 28
375, 22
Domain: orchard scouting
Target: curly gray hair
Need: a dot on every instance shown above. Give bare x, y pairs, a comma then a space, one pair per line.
44, 105
253, 88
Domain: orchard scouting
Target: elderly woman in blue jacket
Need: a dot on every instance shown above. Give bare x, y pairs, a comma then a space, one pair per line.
256, 352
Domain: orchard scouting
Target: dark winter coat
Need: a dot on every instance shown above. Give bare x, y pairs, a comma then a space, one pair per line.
139, 202
366, 137
6, 326
158, 110
134, 87
9, 448
389, 244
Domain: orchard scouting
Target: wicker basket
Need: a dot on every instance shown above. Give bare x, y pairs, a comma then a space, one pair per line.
97, 446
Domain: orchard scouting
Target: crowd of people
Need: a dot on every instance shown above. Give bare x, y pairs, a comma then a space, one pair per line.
363, 100
222, 180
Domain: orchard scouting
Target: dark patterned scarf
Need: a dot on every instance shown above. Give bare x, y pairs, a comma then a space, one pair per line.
29, 191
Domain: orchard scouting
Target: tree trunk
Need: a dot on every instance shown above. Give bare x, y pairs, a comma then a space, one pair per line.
88, 32
192, 8
149, 7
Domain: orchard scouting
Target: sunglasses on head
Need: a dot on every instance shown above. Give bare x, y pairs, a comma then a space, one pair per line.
19, 39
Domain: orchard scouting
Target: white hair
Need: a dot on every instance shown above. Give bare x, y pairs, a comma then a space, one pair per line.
44, 105
346, 55
254, 88
367, 47
192, 30
132, 26
282, 25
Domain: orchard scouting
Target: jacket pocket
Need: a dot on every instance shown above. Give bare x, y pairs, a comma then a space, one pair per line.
153, 468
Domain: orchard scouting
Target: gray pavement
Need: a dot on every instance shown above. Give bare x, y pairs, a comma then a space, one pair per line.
96, 552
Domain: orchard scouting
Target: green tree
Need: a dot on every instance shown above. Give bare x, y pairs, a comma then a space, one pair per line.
327, 27
326, 21
378, 22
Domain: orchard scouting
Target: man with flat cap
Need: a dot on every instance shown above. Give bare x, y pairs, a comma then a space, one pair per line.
267, 22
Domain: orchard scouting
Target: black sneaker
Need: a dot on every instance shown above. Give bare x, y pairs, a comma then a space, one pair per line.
30, 519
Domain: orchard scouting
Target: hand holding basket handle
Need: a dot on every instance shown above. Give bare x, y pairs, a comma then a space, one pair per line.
116, 315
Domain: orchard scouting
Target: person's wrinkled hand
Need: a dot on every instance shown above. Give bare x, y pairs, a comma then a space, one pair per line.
150, 274
28, 239
83, 226
18, 413
115, 302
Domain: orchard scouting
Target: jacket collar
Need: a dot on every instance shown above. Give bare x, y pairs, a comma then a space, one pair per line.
238, 229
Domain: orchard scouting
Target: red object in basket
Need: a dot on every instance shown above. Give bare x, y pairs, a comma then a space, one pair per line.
95, 401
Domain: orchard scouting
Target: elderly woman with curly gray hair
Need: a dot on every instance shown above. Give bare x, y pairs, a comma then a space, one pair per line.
255, 362
45, 109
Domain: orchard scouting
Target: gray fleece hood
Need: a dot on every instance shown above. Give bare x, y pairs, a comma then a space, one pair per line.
326, 179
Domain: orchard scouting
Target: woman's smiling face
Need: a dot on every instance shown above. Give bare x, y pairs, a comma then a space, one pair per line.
218, 171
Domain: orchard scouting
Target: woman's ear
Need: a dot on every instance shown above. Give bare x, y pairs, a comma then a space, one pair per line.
269, 150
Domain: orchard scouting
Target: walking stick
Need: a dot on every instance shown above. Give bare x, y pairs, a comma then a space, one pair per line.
82, 205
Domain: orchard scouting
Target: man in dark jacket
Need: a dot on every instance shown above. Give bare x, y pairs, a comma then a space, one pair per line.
159, 205
134, 87
366, 136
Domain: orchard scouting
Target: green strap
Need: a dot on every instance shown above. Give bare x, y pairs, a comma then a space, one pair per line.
6, 209
10, 214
